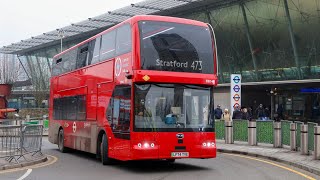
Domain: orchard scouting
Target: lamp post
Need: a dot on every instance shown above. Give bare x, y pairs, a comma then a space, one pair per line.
61, 35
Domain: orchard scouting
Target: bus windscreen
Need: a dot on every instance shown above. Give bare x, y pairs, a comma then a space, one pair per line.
173, 107
167, 46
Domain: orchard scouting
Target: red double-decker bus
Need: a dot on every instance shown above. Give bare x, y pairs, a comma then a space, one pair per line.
142, 89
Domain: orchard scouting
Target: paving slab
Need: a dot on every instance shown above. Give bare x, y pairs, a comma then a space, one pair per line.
284, 155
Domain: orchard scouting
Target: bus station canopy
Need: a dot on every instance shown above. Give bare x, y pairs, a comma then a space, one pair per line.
102, 21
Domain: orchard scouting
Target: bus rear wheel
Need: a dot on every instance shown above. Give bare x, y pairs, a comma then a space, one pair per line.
61, 146
104, 151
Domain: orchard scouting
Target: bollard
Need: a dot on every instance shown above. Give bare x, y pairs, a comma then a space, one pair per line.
293, 136
317, 142
252, 133
228, 136
28, 118
304, 139
277, 138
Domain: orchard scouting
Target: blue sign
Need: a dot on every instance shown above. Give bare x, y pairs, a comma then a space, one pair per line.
236, 79
310, 90
236, 88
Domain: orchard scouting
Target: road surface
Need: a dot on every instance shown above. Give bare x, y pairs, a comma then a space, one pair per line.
83, 166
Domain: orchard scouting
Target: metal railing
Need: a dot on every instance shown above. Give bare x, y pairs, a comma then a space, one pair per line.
16, 141
285, 132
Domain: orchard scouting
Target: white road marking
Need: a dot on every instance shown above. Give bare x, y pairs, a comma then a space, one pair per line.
26, 174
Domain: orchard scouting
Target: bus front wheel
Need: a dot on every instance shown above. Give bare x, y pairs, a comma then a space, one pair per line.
104, 151
61, 146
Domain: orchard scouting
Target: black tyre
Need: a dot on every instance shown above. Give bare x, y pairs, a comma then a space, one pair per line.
170, 160
61, 141
104, 151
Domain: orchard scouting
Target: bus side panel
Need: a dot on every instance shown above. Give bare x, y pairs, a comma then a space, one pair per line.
53, 125
96, 74
69, 80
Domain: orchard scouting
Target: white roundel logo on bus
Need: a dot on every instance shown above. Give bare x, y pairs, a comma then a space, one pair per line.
180, 136
74, 127
117, 67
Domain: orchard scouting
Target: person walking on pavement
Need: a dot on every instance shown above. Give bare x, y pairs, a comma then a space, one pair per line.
218, 112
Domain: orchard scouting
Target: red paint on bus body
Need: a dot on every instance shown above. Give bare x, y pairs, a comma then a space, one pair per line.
97, 83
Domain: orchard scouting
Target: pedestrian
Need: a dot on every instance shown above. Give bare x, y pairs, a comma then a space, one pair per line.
280, 112
237, 114
218, 112
226, 115
245, 114
267, 113
260, 112
250, 113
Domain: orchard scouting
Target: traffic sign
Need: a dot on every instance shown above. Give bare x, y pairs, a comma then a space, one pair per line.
235, 91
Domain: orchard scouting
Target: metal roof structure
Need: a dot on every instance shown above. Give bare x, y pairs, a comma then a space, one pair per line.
106, 20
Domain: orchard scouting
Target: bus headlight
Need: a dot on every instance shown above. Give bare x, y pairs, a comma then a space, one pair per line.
208, 145
146, 145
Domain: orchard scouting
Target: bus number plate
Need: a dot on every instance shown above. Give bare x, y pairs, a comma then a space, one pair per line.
180, 154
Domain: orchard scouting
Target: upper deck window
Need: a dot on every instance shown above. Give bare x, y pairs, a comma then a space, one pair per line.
169, 46
124, 39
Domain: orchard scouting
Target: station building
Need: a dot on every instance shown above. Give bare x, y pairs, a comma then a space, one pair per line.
273, 44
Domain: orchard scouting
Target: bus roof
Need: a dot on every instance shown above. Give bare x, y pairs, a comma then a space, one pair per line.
135, 19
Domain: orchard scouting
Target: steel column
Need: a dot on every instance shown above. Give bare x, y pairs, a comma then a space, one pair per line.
41, 74
292, 38
254, 59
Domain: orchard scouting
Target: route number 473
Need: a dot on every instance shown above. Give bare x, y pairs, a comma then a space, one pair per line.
196, 65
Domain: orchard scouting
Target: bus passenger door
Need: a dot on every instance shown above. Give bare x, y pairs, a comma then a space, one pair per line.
120, 111
104, 102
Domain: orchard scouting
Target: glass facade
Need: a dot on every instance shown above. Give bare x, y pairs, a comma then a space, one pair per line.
264, 25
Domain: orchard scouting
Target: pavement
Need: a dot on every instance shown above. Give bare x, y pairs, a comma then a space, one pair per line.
23, 161
283, 155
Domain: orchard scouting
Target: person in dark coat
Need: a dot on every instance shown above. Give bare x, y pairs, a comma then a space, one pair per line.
245, 114
260, 112
218, 112
237, 114
280, 112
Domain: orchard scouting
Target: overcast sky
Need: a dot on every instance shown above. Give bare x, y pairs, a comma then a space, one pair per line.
21, 19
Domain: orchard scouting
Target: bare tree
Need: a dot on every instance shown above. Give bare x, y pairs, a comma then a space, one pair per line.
9, 69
